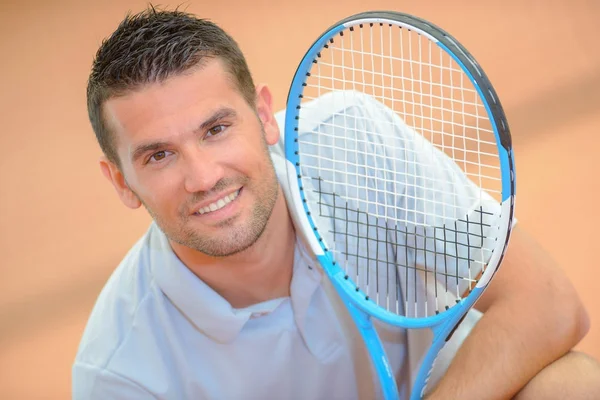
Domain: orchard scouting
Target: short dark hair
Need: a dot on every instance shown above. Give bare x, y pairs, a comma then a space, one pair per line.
150, 47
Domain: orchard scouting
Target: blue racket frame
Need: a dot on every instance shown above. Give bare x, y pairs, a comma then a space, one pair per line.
361, 310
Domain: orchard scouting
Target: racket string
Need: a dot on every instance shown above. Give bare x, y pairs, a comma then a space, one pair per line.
356, 162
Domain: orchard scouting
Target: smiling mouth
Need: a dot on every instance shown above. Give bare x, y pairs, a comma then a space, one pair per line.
217, 205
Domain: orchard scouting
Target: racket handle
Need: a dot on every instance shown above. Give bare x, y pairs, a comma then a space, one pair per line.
376, 352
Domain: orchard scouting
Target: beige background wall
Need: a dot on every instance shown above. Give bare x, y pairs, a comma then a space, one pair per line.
62, 229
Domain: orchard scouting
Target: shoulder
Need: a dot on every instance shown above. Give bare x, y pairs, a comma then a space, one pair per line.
94, 383
121, 301
136, 338
115, 355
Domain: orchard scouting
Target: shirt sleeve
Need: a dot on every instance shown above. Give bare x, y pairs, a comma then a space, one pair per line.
352, 142
93, 383
450, 223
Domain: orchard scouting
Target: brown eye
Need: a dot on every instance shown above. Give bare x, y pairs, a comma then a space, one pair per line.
159, 156
215, 130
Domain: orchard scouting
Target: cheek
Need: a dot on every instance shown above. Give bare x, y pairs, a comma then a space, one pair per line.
251, 155
161, 191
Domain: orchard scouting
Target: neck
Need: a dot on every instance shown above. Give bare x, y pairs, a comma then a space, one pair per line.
260, 273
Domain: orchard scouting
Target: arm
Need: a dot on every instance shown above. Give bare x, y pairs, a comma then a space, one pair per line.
532, 317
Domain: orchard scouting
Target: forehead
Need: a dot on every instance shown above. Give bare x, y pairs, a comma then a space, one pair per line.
175, 106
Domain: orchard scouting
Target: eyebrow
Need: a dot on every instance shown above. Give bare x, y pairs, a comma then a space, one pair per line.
145, 148
221, 113
218, 115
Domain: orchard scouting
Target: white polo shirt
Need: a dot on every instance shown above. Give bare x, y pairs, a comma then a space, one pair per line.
157, 331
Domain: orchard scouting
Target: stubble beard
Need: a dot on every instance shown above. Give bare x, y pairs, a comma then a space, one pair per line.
235, 238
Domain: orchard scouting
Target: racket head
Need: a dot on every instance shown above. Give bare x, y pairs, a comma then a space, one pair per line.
432, 107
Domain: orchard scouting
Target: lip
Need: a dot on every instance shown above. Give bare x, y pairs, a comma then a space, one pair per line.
220, 212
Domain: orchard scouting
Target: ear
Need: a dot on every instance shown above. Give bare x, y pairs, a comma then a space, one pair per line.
116, 177
264, 108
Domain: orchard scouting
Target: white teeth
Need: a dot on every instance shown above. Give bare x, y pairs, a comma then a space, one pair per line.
219, 203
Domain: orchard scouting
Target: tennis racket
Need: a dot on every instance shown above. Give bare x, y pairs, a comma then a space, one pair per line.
401, 167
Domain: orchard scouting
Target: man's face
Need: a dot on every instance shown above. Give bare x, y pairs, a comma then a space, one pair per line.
195, 154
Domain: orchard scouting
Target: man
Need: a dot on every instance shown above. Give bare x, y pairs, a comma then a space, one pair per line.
219, 299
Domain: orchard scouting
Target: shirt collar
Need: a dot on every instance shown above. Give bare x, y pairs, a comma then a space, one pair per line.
204, 307
210, 312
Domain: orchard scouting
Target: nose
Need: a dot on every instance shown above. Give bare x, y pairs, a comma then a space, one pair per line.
202, 170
